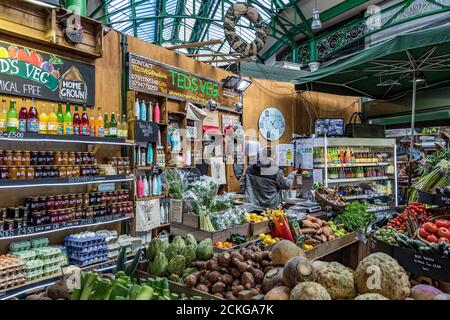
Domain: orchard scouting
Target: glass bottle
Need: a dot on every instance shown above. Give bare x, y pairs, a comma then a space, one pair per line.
12, 121
76, 122
105, 125
52, 121
113, 126
92, 126
60, 119
23, 116
3, 116
67, 121
43, 120
84, 123
99, 124
123, 130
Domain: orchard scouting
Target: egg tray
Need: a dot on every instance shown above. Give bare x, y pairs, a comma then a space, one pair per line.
86, 255
86, 262
12, 283
51, 269
25, 255
12, 267
46, 253
35, 274
78, 242
39, 242
34, 265
19, 246
87, 249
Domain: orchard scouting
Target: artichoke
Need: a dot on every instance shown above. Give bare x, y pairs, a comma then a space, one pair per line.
159, 265
175, 278
153, 248
189, 253
171, 251
190, 240
188, 271
176, 265
179, 243
205, 249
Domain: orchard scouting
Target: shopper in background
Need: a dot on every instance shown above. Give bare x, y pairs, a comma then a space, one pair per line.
264, 181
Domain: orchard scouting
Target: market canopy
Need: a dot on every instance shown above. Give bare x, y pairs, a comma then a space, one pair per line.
262, 71
385, 71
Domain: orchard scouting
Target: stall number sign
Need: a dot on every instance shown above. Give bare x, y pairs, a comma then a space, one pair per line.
146, 75
30, 73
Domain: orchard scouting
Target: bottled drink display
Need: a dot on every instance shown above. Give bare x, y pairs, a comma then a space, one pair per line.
356, 172
344, 155
52, 121
76, 121
12, 121
43, 120
3, 116
23, 118
67, 121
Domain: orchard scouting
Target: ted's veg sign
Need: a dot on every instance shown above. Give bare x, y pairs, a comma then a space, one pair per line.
35, 74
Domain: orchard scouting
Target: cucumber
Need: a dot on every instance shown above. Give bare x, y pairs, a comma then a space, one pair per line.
425, 250
402, 242
441, 246
133, 265
434, 249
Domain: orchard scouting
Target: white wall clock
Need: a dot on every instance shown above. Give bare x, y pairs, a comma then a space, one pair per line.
271, 124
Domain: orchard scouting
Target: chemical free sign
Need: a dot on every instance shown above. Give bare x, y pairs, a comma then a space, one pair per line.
149, 76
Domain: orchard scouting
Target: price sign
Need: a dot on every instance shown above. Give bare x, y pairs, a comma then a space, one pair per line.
11, 135
146, 131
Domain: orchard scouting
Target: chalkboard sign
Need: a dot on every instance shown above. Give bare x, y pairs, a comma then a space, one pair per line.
432, 266
194, 174
146, 131
238, 167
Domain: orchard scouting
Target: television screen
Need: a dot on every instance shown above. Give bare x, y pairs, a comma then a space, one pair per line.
330, 127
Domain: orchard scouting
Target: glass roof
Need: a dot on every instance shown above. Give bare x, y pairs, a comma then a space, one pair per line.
172, 22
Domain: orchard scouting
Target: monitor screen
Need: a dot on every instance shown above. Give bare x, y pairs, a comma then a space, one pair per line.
330, 127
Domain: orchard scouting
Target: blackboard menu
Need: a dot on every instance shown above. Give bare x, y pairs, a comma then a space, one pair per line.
146, 131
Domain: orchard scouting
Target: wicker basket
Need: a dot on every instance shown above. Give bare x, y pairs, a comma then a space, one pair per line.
320, 197
445, 217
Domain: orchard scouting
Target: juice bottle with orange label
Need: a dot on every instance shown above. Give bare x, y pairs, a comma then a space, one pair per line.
99, 124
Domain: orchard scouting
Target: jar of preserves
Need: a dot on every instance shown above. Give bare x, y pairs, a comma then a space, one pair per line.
38, 172
2, 214
89, 212
87, 200
58, 202
76, 171
61, 215
48, 172
57, 158
78, 158
8, 158
79, 202
42, 203
4, 173
65, 201
42, 158
12, 173
13, 213
29, 172
114, 209
113, 161
104, 198
103, 210
99, 197
92, 159
70, 172
26, 158
65, 158
21, 172
71, 159
2, 157
54, 218
8, 224
34, 158
55, 171
78, 214
51, 203
72, 200
62, 172
2, 225
50, 158
17, 157
86, 158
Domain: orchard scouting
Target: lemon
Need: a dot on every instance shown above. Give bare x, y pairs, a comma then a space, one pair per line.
3, 53
262, 236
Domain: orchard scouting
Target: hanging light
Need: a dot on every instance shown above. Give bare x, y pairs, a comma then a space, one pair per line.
316, 24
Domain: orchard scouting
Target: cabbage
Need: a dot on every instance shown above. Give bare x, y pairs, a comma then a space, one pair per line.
205, 249
159, 265
176, 265
190, 240
189, 253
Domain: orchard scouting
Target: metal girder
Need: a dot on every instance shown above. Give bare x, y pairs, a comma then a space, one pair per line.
120, 10
103, 5
133, 15
176, 21
204, 11
324, 16
305, 21
205, 26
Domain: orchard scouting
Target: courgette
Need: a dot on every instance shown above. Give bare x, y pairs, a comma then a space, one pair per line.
434, 249
121, 260
402, 242
425, 250
131, 269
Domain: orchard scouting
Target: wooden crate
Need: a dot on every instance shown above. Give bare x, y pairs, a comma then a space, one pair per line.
243, 245
259, 227
223, 235
331, 246
191, 220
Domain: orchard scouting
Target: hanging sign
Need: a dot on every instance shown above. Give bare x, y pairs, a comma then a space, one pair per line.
304, 157
147, 215
285, 154
149, 76
35, 74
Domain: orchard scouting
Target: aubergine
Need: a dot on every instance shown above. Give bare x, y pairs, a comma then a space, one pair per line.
447, 190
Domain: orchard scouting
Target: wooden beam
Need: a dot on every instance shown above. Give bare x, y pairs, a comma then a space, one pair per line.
196, 55
195, 44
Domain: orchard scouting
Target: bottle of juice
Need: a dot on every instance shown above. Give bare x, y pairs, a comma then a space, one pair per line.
60, 119
113, 126
84, 122
52, 123
122, 127
92, 126
105, 125
43, 120
23, 116
67, 121
3, 116
76, 122
12, 121
99, 124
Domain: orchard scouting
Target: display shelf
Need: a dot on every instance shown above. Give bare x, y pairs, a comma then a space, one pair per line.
144, 168
28, 183
43, 282
364, 196
150, 198
351, 165
351, 180
385, 208
56, 227
36, 137
329, 247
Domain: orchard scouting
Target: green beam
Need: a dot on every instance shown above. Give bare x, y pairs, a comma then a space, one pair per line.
204, 11
176, 22
133, 15
324, 16
208, 23
305, 21
106, 16
102, 5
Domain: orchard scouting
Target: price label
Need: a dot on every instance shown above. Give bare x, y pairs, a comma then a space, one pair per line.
12, 135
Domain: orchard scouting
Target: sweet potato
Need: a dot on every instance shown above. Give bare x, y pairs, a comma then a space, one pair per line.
308, 224
264, 263
213, 265
309, 231
218, 287
248, 281
236, 282
247, 254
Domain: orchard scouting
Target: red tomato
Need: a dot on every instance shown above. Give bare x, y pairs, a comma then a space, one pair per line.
423, 233
432, 238
23, 55
430, 227
36, 59
443, 232
12, 52
441, 223
443, 239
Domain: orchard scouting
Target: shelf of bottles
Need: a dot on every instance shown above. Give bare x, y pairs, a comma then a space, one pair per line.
361, 170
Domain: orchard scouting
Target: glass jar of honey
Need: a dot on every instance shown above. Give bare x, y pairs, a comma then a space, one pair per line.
29, 172
62, 172
12, 173
26, 158
65, 158
57, 159
17, 158
8, 158
71, 159
21, 172
78, 158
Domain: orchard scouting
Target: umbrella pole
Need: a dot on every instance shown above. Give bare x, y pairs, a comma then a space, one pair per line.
413, 115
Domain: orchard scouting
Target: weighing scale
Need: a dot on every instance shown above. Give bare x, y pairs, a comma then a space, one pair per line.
308, 206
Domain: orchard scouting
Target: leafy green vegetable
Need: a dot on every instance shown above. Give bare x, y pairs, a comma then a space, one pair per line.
176, 265
355, 216
205, 249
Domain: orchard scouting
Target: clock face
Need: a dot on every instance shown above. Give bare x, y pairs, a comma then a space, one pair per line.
271, 124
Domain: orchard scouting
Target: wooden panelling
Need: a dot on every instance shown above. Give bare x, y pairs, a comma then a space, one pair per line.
313, 105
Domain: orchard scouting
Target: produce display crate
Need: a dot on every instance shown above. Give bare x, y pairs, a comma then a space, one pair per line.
259, 227
377, 245
191, 220
434, 198
331, 246
223, 235
177, 287
242, 245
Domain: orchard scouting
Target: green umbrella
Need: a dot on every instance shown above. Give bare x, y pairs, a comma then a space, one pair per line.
402, 65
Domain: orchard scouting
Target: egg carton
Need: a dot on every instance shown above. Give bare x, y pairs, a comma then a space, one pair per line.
113, 246
86, 262
91, 241
39, 242
107, 233
136, 243
26, 255
13, 277
48, 270
18, 246
86, 255
88, 248
34, 265
113, 254
12, 283
13, 270
35, 274
47, 253
124, 240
